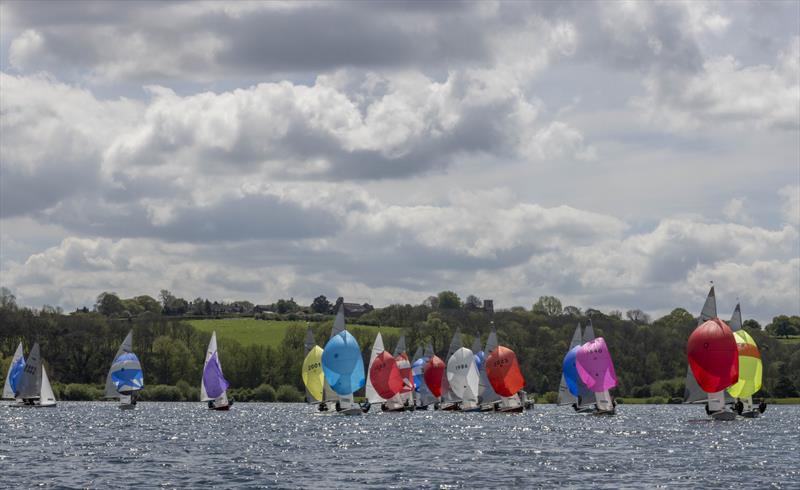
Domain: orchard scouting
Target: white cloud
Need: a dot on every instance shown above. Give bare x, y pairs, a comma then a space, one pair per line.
791, 204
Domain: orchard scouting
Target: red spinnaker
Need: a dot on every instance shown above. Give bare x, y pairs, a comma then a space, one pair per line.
433, 373
385, 376
713, 356
503, 371
404, 365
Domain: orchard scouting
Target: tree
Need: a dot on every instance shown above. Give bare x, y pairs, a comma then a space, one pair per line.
431, 302
782, 326
572, 311
473, 301
286, 306
615, 314
638, 316
7, 299
751, 325
109, 304
590, 312
448, 300
321, 305
547, 305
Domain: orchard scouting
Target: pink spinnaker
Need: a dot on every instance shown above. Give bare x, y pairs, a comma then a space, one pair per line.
595, 367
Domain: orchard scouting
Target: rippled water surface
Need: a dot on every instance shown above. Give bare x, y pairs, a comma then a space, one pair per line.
286, 445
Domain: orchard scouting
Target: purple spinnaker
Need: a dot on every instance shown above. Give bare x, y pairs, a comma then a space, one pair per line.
213, 380
595, 367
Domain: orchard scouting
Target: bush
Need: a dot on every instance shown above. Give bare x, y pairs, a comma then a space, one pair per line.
264, 393
161, 393
81, 392
549, 397
188, 392
641, 392
288, 393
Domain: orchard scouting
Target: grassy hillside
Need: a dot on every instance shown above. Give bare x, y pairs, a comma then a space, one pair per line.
248, 331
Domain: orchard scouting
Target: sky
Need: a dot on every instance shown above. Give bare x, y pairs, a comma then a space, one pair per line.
615, 155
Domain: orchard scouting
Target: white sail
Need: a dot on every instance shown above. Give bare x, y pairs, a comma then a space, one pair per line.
47, 397
736, 318
486, 393
377, 348
212, 348
709, 310
8, 392
716, 401
604, 401
462, 375
126, 346
565, 397
31, 379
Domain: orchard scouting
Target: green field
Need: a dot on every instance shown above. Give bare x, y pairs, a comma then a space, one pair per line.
248, 331
790, 340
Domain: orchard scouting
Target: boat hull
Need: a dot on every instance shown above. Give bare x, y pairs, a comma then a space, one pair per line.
126, 406
724, 415
751, 414
613, 411
518, 409
224, 408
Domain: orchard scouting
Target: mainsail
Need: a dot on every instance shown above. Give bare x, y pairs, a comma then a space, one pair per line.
568, 394
213, 385
585, 395
14, 374
406, 393
47, 397
31, 381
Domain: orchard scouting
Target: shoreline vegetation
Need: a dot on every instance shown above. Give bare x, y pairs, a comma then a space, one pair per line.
262, 351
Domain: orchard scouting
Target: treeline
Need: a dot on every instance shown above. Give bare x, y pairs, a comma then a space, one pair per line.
649, 355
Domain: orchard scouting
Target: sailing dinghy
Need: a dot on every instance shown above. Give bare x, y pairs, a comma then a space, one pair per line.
422, 394
343, 368
313, 377
596, 371
34, 385
504, 375
750, 370
713, 361
433, 372
572, 391
14, 375
461, 379
125, 376
403, 400
213, 385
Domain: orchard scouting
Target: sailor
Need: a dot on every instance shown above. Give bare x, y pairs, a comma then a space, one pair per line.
762, 406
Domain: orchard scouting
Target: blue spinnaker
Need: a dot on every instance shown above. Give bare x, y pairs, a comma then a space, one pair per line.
342, 364
571, 370
126, 373
416, 369
479, 358
16, 373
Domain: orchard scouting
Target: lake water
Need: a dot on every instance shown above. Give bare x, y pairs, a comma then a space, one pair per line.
78, 445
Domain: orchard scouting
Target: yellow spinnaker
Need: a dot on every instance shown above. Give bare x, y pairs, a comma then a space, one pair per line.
313, 376
749, 366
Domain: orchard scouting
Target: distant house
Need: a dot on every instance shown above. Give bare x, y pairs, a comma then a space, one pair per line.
262, 309
356, 310
488, 306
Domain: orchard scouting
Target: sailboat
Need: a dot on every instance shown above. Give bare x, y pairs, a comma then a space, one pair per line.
713, 361
125, 376
404, 399
433, 373
313, 377
422, 394
461, 379
750, 370
213, 385
572, 391
13, 376
504, 375
487, 397
596, 370
384, 380
34, 385
343, 368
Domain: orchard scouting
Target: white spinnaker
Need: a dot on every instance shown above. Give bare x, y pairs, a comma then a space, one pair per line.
126, 346
377, 348
212, 348
7, 391
447, 392
47, 396
462, 375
